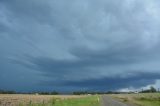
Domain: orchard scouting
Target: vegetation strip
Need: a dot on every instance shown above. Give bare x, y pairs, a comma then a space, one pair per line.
141, 99
83, 101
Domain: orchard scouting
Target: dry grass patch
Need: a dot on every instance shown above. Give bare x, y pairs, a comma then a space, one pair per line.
16, 99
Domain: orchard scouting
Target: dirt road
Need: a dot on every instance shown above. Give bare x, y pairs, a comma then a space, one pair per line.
108, 101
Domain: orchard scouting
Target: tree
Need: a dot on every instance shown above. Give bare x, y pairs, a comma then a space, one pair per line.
152, 89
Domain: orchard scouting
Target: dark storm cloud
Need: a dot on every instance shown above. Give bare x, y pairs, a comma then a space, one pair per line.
71, 69
86, 41
110, 83
90, 61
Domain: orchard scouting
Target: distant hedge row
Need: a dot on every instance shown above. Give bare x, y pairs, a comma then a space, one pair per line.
41, 93
7, 92
152, 89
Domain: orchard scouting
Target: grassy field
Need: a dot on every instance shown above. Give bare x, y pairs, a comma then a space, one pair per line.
86, 101
48, 100
142, 99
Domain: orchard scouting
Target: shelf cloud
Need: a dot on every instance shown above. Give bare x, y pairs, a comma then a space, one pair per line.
88, 44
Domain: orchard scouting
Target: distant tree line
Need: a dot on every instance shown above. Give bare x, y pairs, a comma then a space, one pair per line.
41, 93
7, 92
151, 90
93, 93
48, 93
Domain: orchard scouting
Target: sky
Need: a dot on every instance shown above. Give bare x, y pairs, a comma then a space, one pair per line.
71, 45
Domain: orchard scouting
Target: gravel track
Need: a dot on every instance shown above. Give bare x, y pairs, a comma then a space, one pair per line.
108, 101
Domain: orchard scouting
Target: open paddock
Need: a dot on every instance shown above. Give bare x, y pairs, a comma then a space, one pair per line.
17, 99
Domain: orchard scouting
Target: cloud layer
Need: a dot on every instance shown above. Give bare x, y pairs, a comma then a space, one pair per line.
96, 45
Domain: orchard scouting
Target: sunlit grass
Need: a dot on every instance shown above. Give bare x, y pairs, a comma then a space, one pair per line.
142, 99
87, 101
83, 101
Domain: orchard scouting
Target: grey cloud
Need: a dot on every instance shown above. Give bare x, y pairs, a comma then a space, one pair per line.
80, 40
135, 80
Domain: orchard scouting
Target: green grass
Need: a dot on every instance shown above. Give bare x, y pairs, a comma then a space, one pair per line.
147, 103
88, 101
142, 99
85, 101
148, 100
